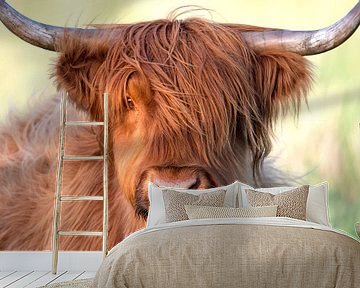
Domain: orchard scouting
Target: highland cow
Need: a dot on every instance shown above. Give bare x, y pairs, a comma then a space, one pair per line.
192, 103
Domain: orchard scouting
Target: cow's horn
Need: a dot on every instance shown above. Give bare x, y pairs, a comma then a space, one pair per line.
35, 33
307, 42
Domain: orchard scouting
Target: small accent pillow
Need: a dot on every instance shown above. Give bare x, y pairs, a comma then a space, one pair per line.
202, 212
290, 204
175, 201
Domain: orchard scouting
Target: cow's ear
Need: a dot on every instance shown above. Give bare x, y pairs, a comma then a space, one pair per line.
282, 80
75, 70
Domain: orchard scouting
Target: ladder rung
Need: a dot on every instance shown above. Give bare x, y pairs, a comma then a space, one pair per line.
80, 233
83, 123
82, 198
70, 157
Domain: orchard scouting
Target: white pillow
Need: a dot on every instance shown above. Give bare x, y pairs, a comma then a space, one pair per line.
156, 214
317, 202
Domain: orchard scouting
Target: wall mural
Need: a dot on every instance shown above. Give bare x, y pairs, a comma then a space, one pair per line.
192, 103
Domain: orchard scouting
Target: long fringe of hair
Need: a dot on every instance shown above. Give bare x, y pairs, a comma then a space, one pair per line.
207, 85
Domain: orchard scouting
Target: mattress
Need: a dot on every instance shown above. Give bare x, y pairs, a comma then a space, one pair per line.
236, 252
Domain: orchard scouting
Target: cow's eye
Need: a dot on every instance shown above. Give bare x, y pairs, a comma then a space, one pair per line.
129, 103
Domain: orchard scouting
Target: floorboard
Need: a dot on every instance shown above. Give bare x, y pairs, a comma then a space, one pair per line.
5, 274
46, 279
12, 278
28, 279
87, 275
68, 276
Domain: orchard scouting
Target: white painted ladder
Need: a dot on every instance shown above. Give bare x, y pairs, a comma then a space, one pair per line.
59, 198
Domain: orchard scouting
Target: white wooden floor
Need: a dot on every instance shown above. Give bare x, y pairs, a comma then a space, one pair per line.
32, 269
32, 279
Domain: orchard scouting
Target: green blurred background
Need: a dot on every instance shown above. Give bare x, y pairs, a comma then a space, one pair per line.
322, 145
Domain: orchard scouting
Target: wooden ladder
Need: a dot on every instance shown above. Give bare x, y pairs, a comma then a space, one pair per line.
59, 198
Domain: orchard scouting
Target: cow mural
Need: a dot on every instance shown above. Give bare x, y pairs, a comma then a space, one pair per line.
192, 103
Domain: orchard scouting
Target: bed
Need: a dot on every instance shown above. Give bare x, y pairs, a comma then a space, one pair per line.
234, 252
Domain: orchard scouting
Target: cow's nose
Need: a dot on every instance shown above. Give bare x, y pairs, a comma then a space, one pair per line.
176, 183
179, 177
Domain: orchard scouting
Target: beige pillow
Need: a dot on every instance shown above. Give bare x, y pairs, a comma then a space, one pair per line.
175, 201
290, 203
201, 212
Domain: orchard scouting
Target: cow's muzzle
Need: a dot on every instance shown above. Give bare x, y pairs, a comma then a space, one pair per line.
189, 177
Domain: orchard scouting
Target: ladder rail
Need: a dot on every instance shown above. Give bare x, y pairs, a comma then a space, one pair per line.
105, 177
55, 244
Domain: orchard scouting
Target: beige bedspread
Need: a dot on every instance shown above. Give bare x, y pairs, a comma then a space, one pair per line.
233, 254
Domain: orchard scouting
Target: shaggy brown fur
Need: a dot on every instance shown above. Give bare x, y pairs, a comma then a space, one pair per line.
188, 100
